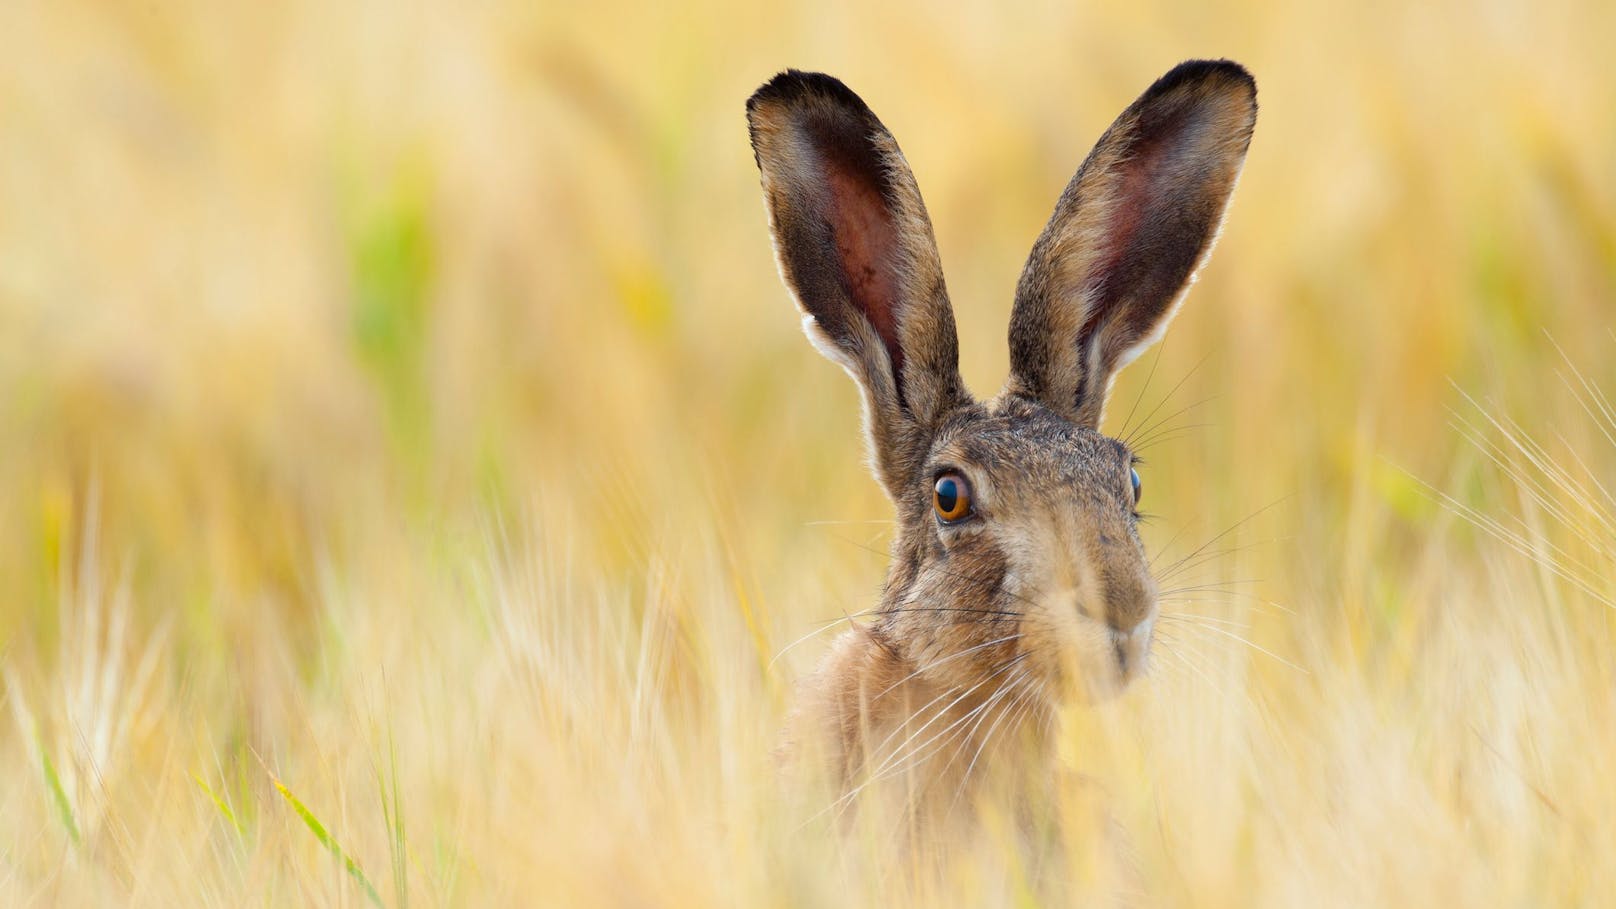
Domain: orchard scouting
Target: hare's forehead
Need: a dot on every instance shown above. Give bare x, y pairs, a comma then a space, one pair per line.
1037, 448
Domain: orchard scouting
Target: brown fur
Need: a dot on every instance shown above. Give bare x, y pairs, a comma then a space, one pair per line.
1044, 592
1128, 234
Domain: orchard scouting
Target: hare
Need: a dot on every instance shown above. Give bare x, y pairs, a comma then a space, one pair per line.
1018, 579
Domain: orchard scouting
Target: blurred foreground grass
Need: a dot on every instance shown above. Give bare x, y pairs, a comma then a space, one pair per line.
411, 467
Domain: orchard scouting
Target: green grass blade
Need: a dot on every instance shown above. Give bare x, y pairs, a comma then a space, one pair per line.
64, 808
326, 840
224, 808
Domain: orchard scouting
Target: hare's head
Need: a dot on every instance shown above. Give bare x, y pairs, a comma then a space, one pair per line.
1017, 548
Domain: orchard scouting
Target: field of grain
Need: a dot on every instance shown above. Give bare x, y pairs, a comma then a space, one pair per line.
413, 477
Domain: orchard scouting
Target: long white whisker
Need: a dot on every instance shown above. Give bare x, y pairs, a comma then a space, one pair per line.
1015, 705
1262, 650
953, 656
939, 714
906, 757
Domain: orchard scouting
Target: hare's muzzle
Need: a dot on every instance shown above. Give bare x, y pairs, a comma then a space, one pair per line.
1106, 647
1129, 616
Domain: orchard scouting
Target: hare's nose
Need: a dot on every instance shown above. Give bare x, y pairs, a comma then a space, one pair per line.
1130, 612
1130, 604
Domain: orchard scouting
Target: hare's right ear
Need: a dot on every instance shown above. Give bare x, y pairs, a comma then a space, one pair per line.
855, 248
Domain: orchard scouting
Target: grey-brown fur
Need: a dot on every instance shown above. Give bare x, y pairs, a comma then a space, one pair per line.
1108, 271
1044, 592
826, 160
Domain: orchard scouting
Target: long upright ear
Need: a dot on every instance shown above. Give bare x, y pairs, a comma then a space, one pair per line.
855, 248
1130, 231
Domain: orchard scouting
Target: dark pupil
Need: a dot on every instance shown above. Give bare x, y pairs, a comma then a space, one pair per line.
947, 495
1136, 485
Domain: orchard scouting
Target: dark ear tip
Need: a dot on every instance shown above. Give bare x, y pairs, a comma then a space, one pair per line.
1225, 75
794, 86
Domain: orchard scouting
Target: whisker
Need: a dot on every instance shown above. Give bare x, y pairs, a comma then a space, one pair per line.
1015, 705
1192, 562
912, 758
1168, 434
1231, 529
1248, 600
1172, 391
1230, 588
1000, 696
812, 634
1170, 541
1192, 667
1254, 646
953, 656
1155, 361
1134, 441
1195, 618
937, 715
1165, 424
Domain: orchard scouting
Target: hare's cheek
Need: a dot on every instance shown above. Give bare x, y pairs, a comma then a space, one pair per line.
970, 565
964, 537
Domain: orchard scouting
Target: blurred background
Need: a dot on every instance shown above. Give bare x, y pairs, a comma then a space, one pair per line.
401, 398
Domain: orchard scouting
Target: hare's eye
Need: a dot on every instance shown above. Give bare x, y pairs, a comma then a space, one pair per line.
1138, 487
951, 498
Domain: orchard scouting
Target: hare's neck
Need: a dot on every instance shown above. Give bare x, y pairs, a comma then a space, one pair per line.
897, 728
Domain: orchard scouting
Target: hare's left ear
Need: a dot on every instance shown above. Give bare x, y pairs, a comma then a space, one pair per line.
1129, 233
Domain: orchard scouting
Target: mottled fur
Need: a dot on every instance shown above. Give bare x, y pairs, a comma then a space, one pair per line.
1045, 592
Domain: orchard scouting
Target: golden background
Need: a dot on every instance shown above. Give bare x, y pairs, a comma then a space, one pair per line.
411, 468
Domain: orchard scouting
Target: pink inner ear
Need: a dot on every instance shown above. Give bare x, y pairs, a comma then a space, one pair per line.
866, 250
1135, 197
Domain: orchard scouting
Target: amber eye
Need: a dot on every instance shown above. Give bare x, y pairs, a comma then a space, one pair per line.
951, 497
1138, 487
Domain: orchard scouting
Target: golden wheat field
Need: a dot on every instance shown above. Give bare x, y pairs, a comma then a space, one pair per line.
415, 488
